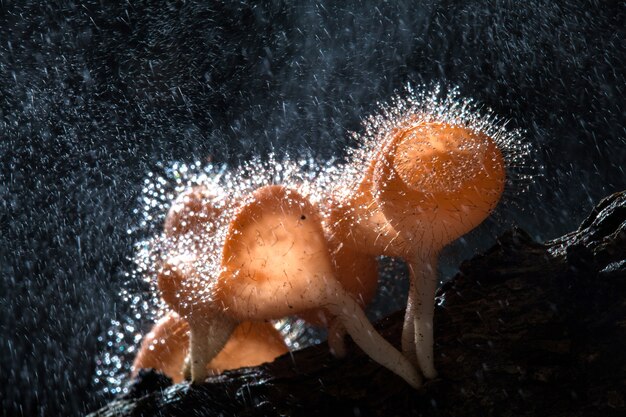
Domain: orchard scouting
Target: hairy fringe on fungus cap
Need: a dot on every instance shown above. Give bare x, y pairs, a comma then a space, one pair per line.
428, 171
275, 263
192, 221
195, 211
434, 183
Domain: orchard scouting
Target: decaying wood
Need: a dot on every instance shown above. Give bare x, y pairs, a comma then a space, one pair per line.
526, 329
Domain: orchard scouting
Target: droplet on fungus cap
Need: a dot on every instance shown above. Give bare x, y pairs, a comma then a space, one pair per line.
193, 210
272, 256
275, 263
438, 181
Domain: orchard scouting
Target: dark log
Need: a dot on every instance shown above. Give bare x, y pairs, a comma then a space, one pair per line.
526, 329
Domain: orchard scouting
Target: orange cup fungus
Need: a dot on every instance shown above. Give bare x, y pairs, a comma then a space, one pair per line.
275, 263
426, 181
165, 348
435, 183
430, 183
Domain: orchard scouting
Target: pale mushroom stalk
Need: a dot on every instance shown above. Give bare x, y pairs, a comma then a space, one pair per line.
423, 274
182, 288
208, 336
408, 327
352, 317
355, 271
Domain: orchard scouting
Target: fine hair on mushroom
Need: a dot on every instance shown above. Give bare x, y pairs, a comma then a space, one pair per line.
190, 223
313, 179
433, 168
275, 262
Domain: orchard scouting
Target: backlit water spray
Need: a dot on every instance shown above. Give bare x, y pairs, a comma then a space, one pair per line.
318, 180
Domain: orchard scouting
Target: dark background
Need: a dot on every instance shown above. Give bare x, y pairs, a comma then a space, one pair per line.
94, 95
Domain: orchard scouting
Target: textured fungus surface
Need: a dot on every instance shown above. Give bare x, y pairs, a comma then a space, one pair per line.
525, 329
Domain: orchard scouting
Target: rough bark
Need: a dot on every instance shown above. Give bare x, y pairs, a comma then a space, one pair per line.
526, 329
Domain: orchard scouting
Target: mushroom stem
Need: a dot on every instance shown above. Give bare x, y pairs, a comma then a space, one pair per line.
207, 338
424, 280
336, 338
408, 328
369, 340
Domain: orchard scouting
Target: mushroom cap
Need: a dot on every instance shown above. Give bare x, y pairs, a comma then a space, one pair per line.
360, 224
193, 210
357, 273
275, 258
192, 230
437, 181
185, 289
251, 344
167, 345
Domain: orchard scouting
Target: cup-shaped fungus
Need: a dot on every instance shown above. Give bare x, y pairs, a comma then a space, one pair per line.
191, 224
362, 231
193, 217
434, 183
275, 263
167, 345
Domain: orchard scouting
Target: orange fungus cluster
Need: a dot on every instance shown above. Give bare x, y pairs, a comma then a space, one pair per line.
233, 261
